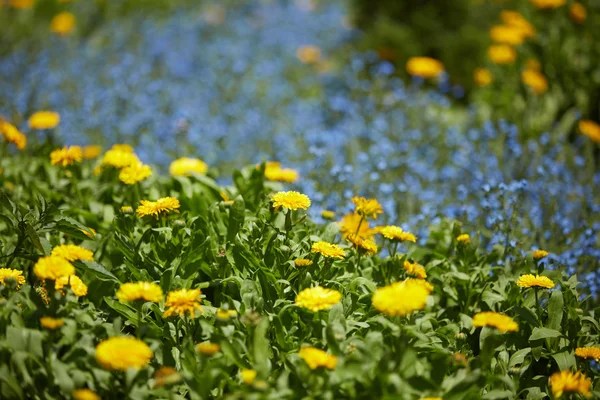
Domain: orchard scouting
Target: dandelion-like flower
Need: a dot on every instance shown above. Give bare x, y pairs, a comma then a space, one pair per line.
592, 352
127, 210
507, 34
353, 223
502, 54
44, 120
248, 376
15, 274
529, 280
539, 254
569, 382
464, 238
327, 214
516, 20
85, 394
328, 250
208, 348
309, 54
366, 245
548, 3
13, 135
91, 151
290, 200
182, 301
63, 23
77, 286
123, 352
368, 208
316, 358
591, 129
166, 376
318, 298
274, 172
400, 298
53, 267
396, 234
415, 269
51, 323
159, 207
120, 156
503, 323
578, 13
302, 262
185, 166
535, 80
66, 156
146, 291
134, 173
72, 252
424, 67
225, 315
482, 77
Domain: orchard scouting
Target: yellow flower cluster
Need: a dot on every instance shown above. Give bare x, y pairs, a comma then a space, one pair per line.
327, 214
401, 298
328, 250
415, 269
353, 223
185, 166
146, 291
274, 172
290, 200
592, 352
71, 252
15, 274
77, 286
53, 268
318, 298
503, 323
12, 134
51, 323
529, 280
208, 348
425, 67
162, 206
134, 173
316, 358
119, 156
121, 353
507, 34
182, 301
569, 382
516, 21
367, 208
248, 376
535, 80
366, 245
302, 262
92, 151
44, 120
66, 156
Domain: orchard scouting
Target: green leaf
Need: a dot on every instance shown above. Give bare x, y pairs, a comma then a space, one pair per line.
555, 310
236, 218
543, 333
519, 357
260, 348
99, 271
565, 360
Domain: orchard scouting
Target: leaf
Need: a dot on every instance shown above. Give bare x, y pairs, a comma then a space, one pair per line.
231, 353
99, 271
236, 218
260, 348
555, 310
498, 394
565, 360
543, 333
519, 357
35, 239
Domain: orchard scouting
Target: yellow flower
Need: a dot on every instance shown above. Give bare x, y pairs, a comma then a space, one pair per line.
328, 250
415, 270
225, 315
400, 298
91, 151
208, 348
185, 166
134, 173
290, 200
424, 67
146, 291
248, 376
63, 23
578, 13
72, 252
12, 134
535, 80
368, 208
162, 206
592, 352
507, 34
503, 323
88, 234
123, 352
85, 394
517, 21
316, 358
309, 54
21, 3
569, 382
53, 267
51, 323
318, 298
274, 172
302, 262
328, 214
364, 244
127, 210
421, 282
120, 156
502, 54
482, 77
66, 156
350, 225
539, 254
182, 301
166, 376
77, 286
44, 120
529, 280
548, 3
15, 274
591, 129
395, 233
464, 238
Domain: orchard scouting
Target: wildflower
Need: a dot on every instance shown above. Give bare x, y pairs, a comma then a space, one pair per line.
424, 67
63, 23
85, 394
185, 166
166, 376
21, 3
507, 34
134, 173
208, 348
364, 244
90, 152
592, 352
14, 274
13, 135
120, 156
539, 254
591, 129
127, 210
527, 281
327, 214
147, 291
328, 250
354, 224
482, 77
72, 252
578, 13
274, 172
316, 358
309, 54
420, 282
502, 54
503, 323
415, 270
225, 315
51, 323
548, 3
302, 262
400, 298
535, 80
318, 298
290, 200
464, 238
395, 233
53, 267
367, 208
248, 376
77, 286
44, 120
182, 301
515, 20
567, 381
123, 352
162, 206
66, 156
